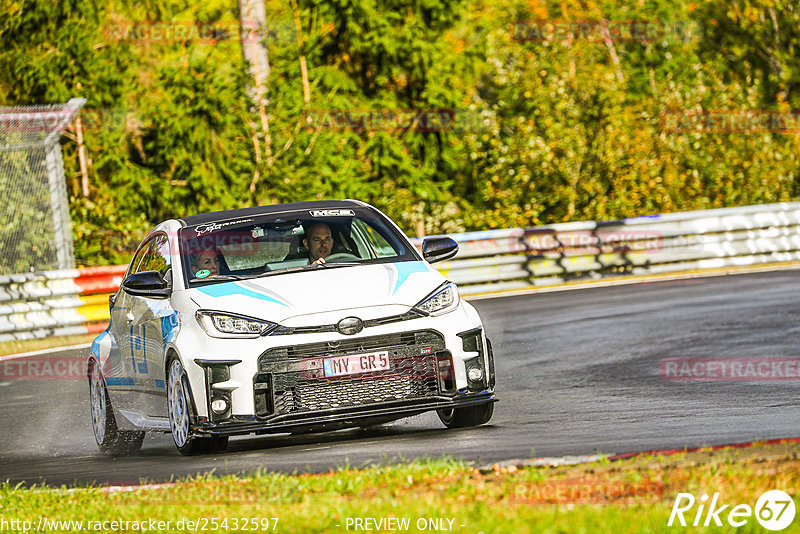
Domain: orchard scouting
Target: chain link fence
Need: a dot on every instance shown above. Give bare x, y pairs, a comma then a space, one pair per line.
35, 226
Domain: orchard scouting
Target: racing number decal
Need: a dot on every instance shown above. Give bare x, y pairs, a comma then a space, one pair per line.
137, 349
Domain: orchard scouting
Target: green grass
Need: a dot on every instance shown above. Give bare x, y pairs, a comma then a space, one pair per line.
634, 495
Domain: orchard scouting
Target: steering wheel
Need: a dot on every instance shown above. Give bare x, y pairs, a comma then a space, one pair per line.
341, 256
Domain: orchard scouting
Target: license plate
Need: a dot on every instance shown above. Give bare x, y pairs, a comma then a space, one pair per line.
356, 364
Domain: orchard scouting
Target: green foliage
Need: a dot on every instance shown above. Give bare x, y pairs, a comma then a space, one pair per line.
27, 237
551, 129
577, 136
758, 42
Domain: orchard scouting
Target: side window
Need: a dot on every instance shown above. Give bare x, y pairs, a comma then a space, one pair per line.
157, 257
137, 259
374, 241
163, 261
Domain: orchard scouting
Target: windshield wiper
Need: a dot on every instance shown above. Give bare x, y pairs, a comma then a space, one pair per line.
328, 265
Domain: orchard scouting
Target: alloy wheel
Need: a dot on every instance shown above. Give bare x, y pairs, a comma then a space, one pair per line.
178, 404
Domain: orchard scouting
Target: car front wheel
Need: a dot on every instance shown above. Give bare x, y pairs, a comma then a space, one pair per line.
181, 412
464, 417
109, 438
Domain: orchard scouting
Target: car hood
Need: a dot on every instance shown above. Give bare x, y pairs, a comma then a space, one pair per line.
324, 296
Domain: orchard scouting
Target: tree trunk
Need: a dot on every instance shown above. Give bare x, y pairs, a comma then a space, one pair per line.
303, 68
253, 22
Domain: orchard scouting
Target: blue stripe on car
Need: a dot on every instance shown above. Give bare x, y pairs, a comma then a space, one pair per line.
232, 288
119, 381
406, 268
169, 327
95, 349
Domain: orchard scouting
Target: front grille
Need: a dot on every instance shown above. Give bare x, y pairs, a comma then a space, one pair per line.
292, 379
324, 328
399, 341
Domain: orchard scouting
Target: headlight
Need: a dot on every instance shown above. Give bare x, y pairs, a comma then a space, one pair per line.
218, 324
443, 300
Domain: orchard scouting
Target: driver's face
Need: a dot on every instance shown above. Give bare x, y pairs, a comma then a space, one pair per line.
207, 260
318, 242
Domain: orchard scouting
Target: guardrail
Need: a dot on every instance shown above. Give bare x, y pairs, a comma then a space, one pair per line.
76, 301
56, 303
520, 258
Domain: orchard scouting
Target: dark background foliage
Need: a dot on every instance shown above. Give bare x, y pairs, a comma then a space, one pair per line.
548, 129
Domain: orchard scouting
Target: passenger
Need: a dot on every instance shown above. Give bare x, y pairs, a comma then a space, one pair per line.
206, 260
319, 242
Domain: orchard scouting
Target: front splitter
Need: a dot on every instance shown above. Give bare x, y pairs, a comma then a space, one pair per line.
338, 418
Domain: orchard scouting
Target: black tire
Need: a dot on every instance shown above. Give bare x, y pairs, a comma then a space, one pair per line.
465, 417
109, 438
182, 413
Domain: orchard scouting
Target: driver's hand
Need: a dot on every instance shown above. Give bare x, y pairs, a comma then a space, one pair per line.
318, 261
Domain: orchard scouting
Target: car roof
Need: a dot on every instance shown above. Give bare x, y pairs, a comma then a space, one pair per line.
216, 216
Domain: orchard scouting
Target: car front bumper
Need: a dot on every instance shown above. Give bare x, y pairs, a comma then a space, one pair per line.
277, 383
335, 419
291, 392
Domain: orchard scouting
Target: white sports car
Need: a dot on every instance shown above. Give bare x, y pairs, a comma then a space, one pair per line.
298, 317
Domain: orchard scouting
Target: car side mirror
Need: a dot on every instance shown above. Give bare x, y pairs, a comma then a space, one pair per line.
438, 248
146, 284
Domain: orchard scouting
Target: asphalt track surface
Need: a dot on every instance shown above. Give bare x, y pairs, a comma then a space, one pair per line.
578, 372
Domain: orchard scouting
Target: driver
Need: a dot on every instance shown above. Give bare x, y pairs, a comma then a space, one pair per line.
206, 260
319, 242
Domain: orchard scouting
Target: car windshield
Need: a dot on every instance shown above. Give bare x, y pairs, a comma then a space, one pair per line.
249, 247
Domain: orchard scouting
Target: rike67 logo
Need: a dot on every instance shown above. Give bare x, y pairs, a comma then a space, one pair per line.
774, 510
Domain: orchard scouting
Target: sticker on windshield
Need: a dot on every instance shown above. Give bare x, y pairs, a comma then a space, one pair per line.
201, 229
203, 273
332, 213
